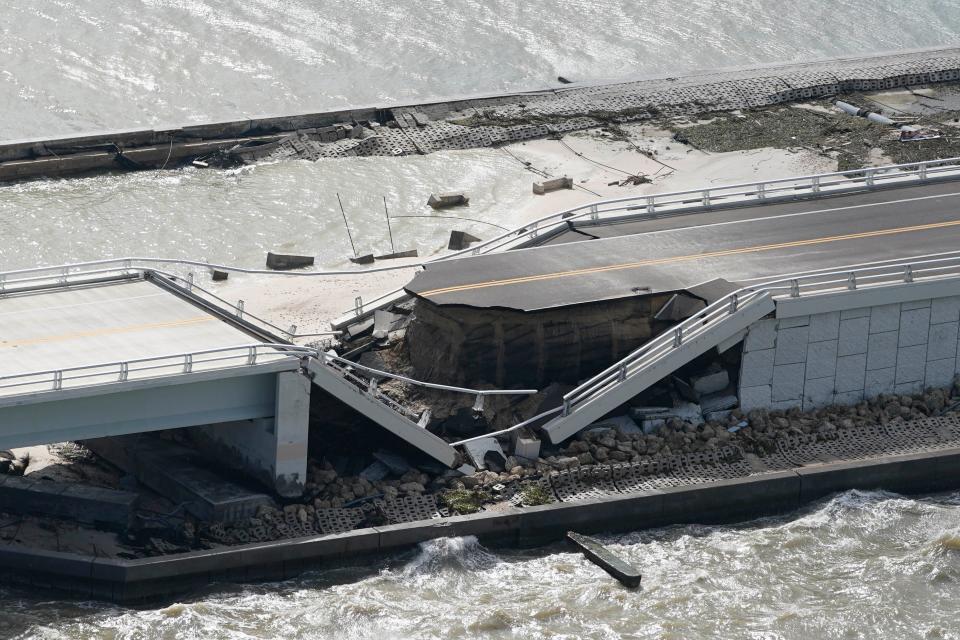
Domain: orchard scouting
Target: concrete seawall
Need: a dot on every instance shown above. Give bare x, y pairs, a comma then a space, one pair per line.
722, 501
475, 122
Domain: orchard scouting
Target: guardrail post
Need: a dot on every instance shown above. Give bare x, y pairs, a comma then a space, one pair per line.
922, 170
3, 283
124, 371
852, 280
678, 337
251, 355
358, 306
651, 205
188, 363
127, 265
870, 173
593, 212
57, 380
292, 331
761, 191
372, 386
190, 281
622, 373
64, 275
734, 301
794, 288
478, 403
908, 273
815, 184
240, 309
566, 408
706, 197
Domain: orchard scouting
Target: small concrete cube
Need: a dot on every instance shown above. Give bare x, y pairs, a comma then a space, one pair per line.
853, 336
914, 327
882, 350
791, 345
878, 381
787, 382
911, 363
885, 318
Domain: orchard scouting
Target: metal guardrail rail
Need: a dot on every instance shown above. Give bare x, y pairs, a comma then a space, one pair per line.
616, 209
921, 269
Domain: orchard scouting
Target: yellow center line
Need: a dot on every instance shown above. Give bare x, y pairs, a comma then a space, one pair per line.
698, 256
92, 333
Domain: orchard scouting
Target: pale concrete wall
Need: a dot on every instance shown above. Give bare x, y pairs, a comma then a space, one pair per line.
842, 357
273, 450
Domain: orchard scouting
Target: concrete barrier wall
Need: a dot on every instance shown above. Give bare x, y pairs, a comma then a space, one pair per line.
845, 356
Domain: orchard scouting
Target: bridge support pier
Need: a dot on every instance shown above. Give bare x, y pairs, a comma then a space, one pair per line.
273, 450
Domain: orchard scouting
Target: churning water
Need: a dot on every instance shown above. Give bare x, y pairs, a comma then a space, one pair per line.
862, 565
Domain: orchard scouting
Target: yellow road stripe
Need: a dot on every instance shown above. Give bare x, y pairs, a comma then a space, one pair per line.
699, 256
107, 331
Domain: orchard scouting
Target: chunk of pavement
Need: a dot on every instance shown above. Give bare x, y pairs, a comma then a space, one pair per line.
713, 402
711, 382
460, 240
554, 184
376, 471
364, 259
397, 464
623, 424
385, 322
449, 199
477, 451
219, 276
285, 262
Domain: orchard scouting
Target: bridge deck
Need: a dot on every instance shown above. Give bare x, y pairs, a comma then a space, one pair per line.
109, 322
684, 250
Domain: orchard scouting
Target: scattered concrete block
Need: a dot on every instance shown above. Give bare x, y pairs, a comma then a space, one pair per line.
714, 402
446, 200
364, 259
606, 560
219, 276
460, 240
409, 253
528, 448
554, 184
376, 471
385, 322
284, 262
711, 382
477, 451
397, 464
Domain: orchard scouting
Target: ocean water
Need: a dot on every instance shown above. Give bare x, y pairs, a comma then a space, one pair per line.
859, 565
862, 565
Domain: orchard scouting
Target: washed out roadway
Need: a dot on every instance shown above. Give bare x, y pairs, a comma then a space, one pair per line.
679, 251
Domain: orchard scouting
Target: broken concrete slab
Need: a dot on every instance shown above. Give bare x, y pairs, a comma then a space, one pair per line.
98, 506
713, 402
385, 322
364, 259
286, 262
460, 240
219, 276
375, 472
397, 464
477, 451
554, 184
710, 382
449, 199
528, 448
623, 424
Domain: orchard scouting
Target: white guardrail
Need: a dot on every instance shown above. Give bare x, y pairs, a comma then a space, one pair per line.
920, 269
631, 207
